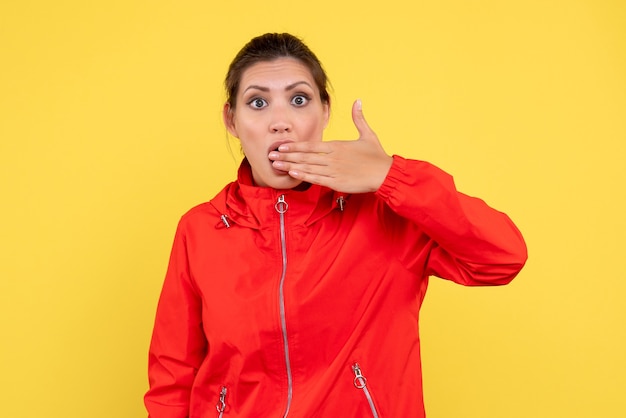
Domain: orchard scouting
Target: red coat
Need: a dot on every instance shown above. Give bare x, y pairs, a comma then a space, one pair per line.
306, 303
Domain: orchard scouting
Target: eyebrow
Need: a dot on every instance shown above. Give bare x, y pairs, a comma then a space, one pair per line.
266, 89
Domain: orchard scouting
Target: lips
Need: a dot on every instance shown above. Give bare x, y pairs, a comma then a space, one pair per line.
275, 145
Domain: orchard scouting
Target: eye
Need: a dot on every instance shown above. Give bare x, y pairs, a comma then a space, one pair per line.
300, 100
257, 103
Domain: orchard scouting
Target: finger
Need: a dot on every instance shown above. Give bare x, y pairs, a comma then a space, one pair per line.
296, 158
303, 169
359, 121
305, 146
312, 178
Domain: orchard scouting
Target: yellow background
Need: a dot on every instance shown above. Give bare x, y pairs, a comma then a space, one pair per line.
110, 129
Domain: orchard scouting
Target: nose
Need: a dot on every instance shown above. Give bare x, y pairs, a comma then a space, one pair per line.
280, 122
280, 127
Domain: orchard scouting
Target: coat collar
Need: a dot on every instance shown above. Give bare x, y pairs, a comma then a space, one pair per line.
252, 206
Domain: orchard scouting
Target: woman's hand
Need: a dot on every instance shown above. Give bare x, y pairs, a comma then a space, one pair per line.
345, 166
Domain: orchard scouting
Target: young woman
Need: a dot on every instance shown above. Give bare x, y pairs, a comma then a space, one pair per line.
296, 290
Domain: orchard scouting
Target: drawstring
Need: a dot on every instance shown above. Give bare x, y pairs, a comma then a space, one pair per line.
341, 202
223, 218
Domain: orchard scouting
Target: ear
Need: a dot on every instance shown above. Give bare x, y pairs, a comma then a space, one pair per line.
326, 111
228, 116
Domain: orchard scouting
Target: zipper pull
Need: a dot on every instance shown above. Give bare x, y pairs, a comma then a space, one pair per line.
359, 380
281, 206
221, 405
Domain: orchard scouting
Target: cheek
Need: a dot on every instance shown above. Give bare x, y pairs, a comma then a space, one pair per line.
248, 130
251, 142
315, 127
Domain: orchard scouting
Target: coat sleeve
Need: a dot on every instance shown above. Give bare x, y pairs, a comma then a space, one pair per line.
178, 344
472, 243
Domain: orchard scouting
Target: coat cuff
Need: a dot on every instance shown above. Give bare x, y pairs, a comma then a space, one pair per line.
396, 178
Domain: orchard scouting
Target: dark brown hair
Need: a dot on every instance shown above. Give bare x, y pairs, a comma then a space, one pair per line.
269, 47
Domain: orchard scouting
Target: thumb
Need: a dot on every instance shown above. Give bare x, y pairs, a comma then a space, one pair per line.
365, 132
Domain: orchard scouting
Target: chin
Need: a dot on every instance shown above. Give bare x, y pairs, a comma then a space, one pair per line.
283, 183
275, 179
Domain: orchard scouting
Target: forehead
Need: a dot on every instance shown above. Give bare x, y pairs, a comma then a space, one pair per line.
277, 73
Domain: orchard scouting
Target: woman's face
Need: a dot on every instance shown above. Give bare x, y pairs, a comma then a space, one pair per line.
277, 102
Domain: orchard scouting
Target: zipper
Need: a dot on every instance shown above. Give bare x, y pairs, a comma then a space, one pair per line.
281, 207
360, 382
221, 404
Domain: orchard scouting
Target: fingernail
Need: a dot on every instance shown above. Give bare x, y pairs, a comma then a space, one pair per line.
359, 104
273, 155
283, 147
